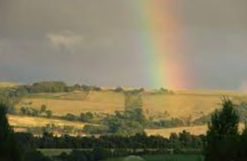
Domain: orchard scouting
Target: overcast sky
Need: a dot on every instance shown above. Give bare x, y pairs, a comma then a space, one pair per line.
91, 41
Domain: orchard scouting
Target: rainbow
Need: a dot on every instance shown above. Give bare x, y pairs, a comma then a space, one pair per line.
161, 43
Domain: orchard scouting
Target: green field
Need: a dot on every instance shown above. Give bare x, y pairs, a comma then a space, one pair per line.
160, 158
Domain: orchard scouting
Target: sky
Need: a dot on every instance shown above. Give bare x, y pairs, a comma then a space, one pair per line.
94, 42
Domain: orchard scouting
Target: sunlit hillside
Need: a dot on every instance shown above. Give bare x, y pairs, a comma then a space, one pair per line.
8, 84
179, 104
77, 102
38, 125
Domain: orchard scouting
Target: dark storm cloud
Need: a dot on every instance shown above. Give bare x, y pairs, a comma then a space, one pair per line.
93, 41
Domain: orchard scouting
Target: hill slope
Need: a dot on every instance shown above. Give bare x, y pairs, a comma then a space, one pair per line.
179, 104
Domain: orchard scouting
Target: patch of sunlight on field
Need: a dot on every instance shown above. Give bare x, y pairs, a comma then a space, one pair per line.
26, 121
101, 102
194, 130
7, 84
184, 104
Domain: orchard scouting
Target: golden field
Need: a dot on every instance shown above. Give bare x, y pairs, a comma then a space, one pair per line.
194, 130
26, 121
77, 102
179, 104
7, 84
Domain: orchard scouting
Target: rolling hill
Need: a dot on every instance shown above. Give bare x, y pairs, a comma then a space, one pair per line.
156, 104
179, 104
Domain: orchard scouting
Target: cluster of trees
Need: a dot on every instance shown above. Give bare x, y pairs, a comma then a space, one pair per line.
95, 129
43, 112
167, 123
224, 141
48, 87
240, 109
126, 123
84, 117
15, 93
53, 87
178, 142
9, 97
57, 130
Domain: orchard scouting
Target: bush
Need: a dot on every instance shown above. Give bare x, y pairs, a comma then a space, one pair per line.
93, 129
86, 117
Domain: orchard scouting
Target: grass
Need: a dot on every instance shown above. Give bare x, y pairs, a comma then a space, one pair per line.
187, 104
160, 158
26, 121
181, 104
7, 84
195, 130
77, 102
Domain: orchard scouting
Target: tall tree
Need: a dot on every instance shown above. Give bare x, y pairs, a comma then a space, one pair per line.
223, 134
8, 147
242, 145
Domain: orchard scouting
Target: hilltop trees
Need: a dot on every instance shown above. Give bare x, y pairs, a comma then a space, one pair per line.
8, 148
222, 136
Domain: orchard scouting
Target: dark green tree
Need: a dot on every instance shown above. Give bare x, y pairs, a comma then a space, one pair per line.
242, 146
222, 136
8, 147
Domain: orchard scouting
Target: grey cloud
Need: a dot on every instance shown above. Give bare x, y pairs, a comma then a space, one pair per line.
37, 35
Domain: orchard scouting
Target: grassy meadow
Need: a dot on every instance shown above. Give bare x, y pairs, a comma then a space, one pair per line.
166, 132
186, 104
76, 102
23, 123
27, 121
8, 84
180, 104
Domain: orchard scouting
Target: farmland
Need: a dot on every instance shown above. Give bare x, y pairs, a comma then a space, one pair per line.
76, 102
179, 104
26, 121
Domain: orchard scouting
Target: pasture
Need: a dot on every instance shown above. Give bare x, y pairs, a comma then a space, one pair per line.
8, 84
76, 102
26, 121
180, 104
166, 132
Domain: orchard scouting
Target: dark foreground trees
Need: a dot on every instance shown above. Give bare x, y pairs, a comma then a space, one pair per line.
223, 140
8, 148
